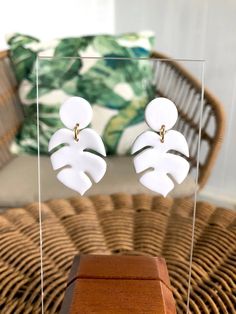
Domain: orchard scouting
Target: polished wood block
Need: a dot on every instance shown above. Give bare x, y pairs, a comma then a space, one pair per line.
118, 284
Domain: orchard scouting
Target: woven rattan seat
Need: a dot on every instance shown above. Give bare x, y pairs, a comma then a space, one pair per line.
117, 224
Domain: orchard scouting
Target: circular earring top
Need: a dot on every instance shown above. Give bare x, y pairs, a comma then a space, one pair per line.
161, 112
76, 111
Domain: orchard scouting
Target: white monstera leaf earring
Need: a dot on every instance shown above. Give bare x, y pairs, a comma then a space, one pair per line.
161, 115
76, 160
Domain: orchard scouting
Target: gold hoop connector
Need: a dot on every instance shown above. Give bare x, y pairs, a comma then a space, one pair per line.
162, 133
76, 132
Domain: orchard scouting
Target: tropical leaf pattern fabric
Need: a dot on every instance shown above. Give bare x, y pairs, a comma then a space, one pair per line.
111, 72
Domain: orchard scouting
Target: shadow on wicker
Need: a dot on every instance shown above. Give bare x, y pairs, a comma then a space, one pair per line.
117, 224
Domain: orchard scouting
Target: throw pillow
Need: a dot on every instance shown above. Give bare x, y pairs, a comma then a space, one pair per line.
117, 88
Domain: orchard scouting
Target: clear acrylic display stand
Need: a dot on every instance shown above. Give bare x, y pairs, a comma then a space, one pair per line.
147, 224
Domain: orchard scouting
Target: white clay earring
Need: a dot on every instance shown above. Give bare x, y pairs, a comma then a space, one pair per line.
76, 158
161, 115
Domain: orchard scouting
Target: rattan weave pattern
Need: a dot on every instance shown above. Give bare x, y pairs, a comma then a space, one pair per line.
11, 114
117, 224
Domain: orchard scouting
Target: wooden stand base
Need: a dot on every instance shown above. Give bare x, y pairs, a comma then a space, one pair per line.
119, 285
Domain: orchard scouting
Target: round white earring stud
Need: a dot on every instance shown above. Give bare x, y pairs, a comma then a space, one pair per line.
161, 111
76, 110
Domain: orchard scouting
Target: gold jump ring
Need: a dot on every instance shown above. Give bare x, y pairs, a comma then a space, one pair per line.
162, 133
76, 132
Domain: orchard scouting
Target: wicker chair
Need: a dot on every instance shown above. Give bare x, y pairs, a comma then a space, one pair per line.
186, 94
118, 224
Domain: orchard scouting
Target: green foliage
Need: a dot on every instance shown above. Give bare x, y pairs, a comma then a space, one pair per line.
94, 79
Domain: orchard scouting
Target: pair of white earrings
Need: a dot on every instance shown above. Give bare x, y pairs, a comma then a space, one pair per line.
78, 161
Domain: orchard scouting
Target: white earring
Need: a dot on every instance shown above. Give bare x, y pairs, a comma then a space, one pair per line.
161, 115
77, 162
